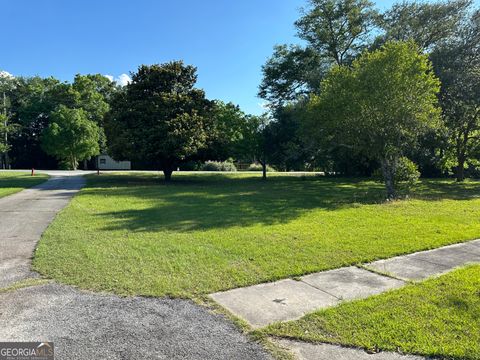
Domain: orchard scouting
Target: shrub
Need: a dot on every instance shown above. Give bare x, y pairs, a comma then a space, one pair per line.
219, 166
407, 172
258, 167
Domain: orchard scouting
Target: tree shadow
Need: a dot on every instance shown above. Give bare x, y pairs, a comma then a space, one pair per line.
21, 181
199, 203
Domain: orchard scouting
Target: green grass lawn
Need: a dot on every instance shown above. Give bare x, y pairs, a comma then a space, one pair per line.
133, 234
438, 317
12, 182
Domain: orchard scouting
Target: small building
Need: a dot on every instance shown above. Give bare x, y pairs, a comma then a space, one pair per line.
105, 162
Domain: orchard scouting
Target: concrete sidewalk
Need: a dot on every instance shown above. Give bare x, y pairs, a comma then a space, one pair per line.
288, 299
309, 351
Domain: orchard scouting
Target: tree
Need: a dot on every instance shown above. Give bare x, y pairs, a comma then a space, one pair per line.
71, 136
161, 117
7, 128
426, 23
33, 102
379, 105
255, 141
93, 92
335, 32
285, 142
457, 64
338, 30
292, 72
226, 130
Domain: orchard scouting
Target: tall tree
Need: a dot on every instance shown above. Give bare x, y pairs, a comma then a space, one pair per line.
7, 128
226, 130
32, 104
93, 93
71, 136
335, 32
457, 64
338, 30
161, 117
426, 23
292, 72
380, 105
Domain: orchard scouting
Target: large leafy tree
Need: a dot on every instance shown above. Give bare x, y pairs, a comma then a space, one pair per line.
227, 128
338, 30
380, 105
335, 32
161, 117
35, 99
457, 64
426, 23
71, 136
93, 93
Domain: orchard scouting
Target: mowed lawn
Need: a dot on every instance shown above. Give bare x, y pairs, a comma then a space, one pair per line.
134, 234
12, 182
438, 317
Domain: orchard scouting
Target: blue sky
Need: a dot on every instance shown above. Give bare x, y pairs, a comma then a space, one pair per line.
227, 40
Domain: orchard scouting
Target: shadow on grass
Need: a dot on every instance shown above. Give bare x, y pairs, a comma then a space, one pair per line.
203, 202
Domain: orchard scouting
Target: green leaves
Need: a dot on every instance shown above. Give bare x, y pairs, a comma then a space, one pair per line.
71, 137
161, 118
380, 105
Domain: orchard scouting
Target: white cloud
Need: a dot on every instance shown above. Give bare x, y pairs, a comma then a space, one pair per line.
6, 74
121, 80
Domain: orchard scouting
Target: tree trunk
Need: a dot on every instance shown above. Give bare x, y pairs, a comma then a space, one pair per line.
167, 173
264, 170
460, 170
388, 169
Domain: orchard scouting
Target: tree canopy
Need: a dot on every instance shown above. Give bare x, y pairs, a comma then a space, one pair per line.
161, 117
71, 136
381, 104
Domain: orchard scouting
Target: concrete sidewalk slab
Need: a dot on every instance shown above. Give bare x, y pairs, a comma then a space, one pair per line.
24, 216
407, 267
450, 257
283, 300
84, 325
264, 304
351, 283
424, 264
308, 351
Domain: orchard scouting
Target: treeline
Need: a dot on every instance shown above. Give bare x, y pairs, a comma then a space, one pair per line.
159, 121
369, 93
372, 90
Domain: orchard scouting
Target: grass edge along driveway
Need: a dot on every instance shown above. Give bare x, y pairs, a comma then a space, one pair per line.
134, 235
13, 182
437, 317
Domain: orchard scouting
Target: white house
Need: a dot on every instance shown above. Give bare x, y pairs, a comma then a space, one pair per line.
105, 162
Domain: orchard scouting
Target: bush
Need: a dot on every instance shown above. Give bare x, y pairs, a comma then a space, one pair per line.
407, 172
406, 176
219, 166
258, 167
